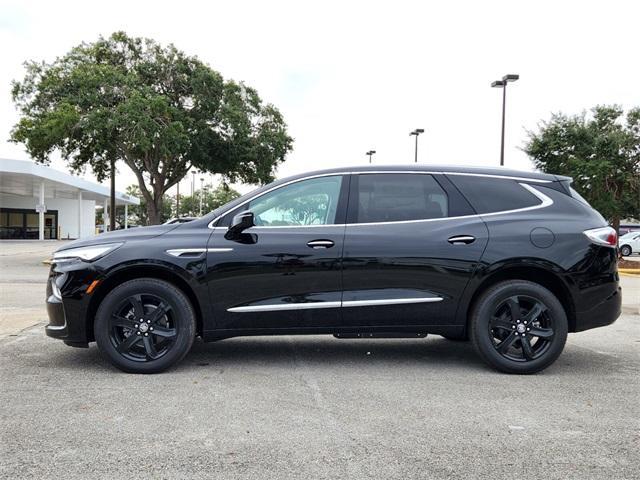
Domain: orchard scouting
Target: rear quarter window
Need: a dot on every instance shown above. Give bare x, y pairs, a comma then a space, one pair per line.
490, 195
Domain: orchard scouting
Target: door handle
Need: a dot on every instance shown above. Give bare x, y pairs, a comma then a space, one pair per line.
461, 239
320, 244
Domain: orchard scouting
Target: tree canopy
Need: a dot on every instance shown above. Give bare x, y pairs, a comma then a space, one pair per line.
155, 108
601, 151
212, 198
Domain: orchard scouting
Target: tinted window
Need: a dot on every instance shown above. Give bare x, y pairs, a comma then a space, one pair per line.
308, 202
488, 195
396, 197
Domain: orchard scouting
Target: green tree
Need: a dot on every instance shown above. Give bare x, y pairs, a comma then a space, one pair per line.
600, 151
212, 198
138, 213
158, 110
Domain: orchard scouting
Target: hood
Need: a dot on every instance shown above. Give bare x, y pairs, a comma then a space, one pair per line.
138, 233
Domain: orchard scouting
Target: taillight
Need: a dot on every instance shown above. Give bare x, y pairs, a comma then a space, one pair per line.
603, 236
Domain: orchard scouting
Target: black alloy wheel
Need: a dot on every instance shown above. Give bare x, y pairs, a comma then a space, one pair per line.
518, 326
142, 328
145, 326
521, 328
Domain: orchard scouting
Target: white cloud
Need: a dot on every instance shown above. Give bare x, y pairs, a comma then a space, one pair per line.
350, 76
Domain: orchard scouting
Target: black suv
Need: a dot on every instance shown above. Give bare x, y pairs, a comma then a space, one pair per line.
511, 260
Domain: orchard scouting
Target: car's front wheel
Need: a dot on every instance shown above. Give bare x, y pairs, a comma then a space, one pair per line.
625, 250
518, 327
145, 325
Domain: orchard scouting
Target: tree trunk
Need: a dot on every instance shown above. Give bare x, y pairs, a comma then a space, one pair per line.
154, 211
615, 223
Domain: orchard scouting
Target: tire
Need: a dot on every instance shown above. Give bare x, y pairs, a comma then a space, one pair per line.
163, 337
625, 250
505, 321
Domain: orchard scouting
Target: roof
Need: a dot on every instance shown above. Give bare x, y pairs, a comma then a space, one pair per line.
421, 167
23, 177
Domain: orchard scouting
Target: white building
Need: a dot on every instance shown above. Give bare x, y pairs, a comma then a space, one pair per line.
38, 202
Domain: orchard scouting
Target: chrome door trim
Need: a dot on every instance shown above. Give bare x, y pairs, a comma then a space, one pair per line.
349, 303
219, 250
390, 301
284, 306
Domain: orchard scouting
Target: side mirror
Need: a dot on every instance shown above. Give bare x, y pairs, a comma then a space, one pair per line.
239, 224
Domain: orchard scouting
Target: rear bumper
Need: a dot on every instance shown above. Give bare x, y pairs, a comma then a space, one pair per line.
602, 314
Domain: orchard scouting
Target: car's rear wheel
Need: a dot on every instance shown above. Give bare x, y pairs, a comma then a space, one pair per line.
625, 250
145, 326
518, 327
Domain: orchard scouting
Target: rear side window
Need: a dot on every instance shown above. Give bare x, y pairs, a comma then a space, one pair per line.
393, 197
489, 195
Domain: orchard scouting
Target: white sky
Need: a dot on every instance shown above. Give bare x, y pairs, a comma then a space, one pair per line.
354, 76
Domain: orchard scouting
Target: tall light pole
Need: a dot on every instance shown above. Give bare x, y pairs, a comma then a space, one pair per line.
201, 192
511, 77
370, 153
417, 132
178, 199
193, 183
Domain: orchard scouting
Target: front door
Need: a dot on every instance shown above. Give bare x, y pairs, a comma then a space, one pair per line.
286, 271
411, 245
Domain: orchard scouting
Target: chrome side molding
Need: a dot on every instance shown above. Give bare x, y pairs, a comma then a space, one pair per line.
346, 304
186, 252
195, 252
284, 306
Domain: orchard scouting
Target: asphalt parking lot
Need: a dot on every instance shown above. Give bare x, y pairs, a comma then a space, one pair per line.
312, 407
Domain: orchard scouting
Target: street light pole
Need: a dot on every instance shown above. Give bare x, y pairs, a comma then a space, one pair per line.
201, 192
178, 199
416, 132
370, 153
503, 84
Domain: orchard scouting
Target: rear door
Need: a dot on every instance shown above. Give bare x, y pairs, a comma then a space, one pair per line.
411, 245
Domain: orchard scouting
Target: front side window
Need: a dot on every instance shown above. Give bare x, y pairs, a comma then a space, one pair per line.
394, 197
308, 202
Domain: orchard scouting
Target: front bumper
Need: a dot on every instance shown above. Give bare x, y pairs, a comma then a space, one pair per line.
67, 317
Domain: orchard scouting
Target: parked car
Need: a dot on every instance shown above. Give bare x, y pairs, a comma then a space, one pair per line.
629, 244
628, 228
511, 260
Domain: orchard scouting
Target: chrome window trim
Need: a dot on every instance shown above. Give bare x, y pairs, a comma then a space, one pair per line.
343, 304
546, 201
508, 177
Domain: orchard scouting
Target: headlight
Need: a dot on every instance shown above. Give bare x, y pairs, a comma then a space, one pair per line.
88, 253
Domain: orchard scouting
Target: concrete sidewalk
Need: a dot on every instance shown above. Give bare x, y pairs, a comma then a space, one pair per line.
630, 294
